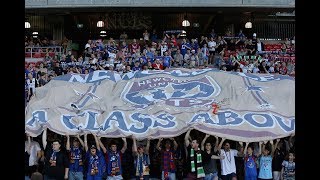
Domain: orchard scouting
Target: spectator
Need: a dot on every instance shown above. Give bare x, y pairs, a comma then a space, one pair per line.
168, 162
194, 159
113, 159
209, 158
141, 160
288, 168
76, 153
228, 166
56, 161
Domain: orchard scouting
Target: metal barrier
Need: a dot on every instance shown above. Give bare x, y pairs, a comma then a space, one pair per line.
40, 52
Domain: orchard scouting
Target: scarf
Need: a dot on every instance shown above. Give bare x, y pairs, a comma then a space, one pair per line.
53, 158
76, 158
114, 163
94, 161
200, 170
141, 161
168, 163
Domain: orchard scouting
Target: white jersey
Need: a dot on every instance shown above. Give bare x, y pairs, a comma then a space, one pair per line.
228, 164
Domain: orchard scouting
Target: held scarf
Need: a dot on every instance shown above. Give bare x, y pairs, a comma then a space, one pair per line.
94, 161
168, 165
142, 163
114, 163
76, 158
53, 158
200, 170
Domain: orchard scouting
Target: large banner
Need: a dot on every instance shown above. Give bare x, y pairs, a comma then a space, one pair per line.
253, 107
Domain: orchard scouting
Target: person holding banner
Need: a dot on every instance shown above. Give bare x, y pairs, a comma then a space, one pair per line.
250, 163
56, 160
209, 158
113, 159
141, 160
75, 158
228, 165
96, 165
265, 161
195, 155
168, 163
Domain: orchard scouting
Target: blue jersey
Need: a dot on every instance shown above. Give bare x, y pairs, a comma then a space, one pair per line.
166, 61
96, 164
250, 167
76, 160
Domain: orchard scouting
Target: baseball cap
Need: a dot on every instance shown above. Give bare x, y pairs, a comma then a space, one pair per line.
93, 147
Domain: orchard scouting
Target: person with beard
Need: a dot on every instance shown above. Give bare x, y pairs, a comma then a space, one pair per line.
96, 165
168, 164
113, 159
227, 160
75, 158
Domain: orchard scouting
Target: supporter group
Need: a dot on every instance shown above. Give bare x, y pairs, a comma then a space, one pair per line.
192, 155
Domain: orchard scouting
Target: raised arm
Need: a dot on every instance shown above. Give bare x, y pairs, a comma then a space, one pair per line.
220, 145
216, 144
80, 140
276, 145
148, 146
44, 138
272, 147
175, 144
68, 142
204, 141
134, 146
240, 152
86, 142
246, 148
290, 140
97, 142
124, 148
28, 144
186, 138
260, 148
104, 149
158, 144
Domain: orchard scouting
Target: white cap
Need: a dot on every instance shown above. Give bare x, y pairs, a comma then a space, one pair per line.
254, 34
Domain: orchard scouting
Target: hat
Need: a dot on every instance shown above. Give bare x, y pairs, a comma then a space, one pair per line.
254, 34
93, 147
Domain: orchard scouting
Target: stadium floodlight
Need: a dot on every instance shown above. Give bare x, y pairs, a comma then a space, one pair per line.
27, 25
100, 23
248, 25
185, 22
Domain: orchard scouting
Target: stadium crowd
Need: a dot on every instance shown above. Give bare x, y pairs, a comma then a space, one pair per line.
54, 156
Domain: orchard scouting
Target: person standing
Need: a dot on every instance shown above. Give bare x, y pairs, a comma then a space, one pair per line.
250, 163
265, 161
168, 164
75, 158
56, 161
141, 160
33, 152
228, 165
209, 159
96, 164
196, 170
113, 159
